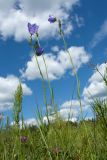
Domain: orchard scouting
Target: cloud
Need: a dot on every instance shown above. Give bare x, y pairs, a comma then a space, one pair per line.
64, 114
57, 65
100, 35
5, 7
27, 122
31, 122
72, 108
96, 86
55, 49
14, 16
79, 20
69, 110
67, 113
72, 104
8, 85
30, 7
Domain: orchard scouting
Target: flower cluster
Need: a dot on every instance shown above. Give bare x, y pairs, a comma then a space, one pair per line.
33, 30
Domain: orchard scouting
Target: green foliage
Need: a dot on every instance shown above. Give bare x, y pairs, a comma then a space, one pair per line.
105, 77
100, 110
65, 140
17, 107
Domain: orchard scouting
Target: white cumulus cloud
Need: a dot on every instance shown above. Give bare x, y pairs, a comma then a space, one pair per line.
73, 104
55, 49
8, 86
14, 18
69, 110
57, 65
96, 86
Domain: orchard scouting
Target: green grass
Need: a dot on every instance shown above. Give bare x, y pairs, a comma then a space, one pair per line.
65, 141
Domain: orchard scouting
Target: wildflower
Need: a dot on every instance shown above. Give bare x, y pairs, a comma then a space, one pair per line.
39, 51
23, 139
32, 28
56, 150
52, 19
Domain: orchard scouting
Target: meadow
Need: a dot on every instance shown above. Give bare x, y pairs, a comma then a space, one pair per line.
57, 139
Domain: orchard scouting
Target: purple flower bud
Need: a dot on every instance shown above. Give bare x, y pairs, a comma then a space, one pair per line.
23, 139
39, 51
52, 19
32, 28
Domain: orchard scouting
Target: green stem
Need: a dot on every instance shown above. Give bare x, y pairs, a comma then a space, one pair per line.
44, 88
44, 140
77, 80
43, 81
75, 73
49, 84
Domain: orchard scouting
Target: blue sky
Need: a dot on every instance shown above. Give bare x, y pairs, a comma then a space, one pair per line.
85, 27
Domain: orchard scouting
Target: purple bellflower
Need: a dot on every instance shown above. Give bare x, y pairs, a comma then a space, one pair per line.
23, 139
39, 51
52, 19
32, 28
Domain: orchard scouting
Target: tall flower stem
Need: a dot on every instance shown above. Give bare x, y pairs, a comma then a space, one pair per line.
44, 89
74, 71
49, 84
43, 81
45, 99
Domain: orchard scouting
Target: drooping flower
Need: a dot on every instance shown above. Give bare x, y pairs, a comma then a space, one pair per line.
39, 51
32, 28
52, 19
23, 139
